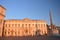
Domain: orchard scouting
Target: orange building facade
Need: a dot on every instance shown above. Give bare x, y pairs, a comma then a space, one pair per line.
24, 27
2, 11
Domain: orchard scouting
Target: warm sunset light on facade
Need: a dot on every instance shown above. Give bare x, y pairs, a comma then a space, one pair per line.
24, 27
2, 11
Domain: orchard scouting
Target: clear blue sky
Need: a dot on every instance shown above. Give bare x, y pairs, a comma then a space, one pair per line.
32, 9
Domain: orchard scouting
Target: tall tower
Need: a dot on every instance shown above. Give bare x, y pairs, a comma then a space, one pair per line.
54, 29
2, 11
51, 23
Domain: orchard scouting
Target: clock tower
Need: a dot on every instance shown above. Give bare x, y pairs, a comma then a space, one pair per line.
2, 11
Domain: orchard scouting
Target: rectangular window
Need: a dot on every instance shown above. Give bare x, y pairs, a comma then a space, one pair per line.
18, 32
12, 31
29, 25
18, 25
0, 21
9, 25
8, 29
26, 24
5, 33
15, 33
22, 25
8, 32
12, 24
44, 25
6, 25
15, 25
33, 24
38, 25
41, 25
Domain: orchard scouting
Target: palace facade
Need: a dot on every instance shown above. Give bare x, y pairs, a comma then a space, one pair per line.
21, 27
25, 27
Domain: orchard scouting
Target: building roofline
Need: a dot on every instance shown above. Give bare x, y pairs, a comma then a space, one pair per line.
2, 15
2, 7
23, 20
